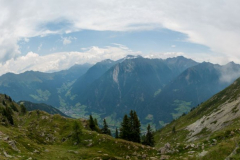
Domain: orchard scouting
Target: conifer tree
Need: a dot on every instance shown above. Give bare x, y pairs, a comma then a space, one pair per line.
116, 133
96, 122
149, 139
23, 109
124, 130
173, 130
130, 127
77, 131
7, 112
136, 128
105, 129
92, 123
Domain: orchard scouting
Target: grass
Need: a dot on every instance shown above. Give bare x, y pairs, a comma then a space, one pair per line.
42, 136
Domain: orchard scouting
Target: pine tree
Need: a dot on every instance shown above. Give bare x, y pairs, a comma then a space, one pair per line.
96, 122
7, 112
116, 133
173, 130
92, 123
149, 139
14, 107
77, 131
105, 129
23, 109
130, 127
136, 128
124, 130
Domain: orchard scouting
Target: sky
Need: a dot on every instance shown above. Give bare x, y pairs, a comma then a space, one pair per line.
52, 35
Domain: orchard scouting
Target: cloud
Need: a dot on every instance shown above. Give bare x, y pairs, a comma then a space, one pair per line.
68, 40
63, 60
40, 47
211, 23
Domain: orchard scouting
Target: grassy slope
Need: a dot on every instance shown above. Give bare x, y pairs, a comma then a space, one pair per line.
227, 137
42, 136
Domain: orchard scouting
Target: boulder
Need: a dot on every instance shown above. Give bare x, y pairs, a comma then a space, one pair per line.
144, 156
7, 155
13, 145
163, 157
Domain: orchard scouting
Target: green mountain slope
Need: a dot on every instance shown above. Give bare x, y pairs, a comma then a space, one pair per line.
39, 135
211, 131
41, 106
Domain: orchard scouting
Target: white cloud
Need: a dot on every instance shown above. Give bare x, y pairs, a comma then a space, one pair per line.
63, 60
211, 23
68, 40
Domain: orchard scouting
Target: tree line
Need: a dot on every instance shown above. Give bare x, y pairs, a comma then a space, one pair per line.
130, 129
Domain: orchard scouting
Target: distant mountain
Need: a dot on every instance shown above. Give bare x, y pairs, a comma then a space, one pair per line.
41, 106
192, 87
131, 84
91, 75
40, 87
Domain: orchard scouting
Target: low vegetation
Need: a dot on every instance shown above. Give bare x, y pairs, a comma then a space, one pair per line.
39, 135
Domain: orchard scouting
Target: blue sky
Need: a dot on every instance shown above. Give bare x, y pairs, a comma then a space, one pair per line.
158, 40
54, 35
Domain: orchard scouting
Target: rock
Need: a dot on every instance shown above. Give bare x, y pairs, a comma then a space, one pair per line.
191, 152
162, 150
30, 158
163, 157
71, 151
36, 151
46, 150
13, 145
127, 157
134, 153
90, 145
7, 155
99, 151
165, 149
144, 156
6, 138
192, 145
167, 145
203, 153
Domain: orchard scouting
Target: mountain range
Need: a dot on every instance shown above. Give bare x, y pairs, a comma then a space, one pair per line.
159, 90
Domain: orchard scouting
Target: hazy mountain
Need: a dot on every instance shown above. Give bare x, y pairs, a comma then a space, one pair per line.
91, 75
192, 87
42, 107
40, 87
131, 84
